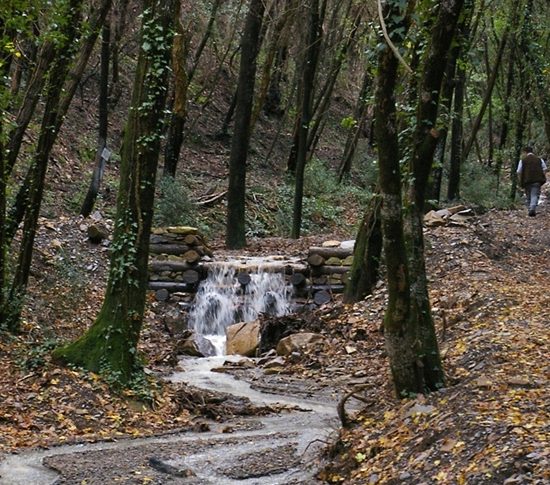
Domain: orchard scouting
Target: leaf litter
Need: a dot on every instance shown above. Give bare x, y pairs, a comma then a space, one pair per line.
489, 283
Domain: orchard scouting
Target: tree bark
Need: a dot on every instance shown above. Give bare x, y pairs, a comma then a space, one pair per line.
235, 228
310, 66
48, 133
174, 138
398, 329
367, 253
103, 127
110, 345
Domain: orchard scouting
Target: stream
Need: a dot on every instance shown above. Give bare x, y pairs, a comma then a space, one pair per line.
278, 449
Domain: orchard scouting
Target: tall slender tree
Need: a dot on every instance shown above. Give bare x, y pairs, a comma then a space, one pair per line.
408, 326
235, 236
311, 57
110, 344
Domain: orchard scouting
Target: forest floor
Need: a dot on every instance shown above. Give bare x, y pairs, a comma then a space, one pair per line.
491, 424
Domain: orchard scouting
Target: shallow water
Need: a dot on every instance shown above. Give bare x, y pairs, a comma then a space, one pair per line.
279, 449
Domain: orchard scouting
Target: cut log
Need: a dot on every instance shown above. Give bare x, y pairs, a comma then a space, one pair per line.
330, 252
162, 294
272, 267
182, 230
297, 279
191, 256
326, 269
190, 276
191, 240
157, 266
176, 249
315, 260
171, 286
321, 297
327, 287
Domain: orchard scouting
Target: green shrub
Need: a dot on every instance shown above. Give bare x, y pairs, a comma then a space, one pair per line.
174, 207
479, 187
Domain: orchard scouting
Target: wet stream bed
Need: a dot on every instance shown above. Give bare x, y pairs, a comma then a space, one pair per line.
278, 448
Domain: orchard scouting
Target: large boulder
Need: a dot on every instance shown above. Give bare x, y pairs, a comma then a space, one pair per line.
298, 342
196, 345
243, 338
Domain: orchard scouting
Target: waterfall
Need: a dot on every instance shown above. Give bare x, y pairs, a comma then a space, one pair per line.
221, 301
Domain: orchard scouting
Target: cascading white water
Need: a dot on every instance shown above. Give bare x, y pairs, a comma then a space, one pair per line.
221, 301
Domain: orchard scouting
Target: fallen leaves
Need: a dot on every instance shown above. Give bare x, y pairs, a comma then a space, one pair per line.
491, 424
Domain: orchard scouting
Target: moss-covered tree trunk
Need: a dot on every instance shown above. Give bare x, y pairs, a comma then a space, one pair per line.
425, 139
399, 329
408, 326
235, 228
366, 255
110, 345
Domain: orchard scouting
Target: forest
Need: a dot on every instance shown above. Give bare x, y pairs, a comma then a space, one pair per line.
284, 129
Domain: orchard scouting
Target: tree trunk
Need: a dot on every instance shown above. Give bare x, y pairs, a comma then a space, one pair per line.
366, 255
21, 203
425, 141
103, 108
408, 327
235, 229
110, 345
174, 138
119, 20
490, 82
48, 133
4, 66
360, 116
310, 66
398, 331
504, 128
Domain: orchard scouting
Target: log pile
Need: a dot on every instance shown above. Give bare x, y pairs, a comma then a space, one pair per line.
175, 261
180, 259
329, 267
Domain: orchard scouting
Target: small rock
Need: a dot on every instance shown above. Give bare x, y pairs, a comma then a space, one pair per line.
519, 381
297, 342
348, 244
277, 362
331, 244
483, 382
197, 346
419, 409
97, 233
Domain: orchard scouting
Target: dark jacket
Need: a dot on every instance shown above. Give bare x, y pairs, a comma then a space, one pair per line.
531, 170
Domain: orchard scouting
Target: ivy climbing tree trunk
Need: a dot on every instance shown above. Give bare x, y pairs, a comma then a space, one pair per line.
235, 236
110, 345
408, 326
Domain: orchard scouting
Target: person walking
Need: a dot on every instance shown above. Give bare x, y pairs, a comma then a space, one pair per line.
531, 173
